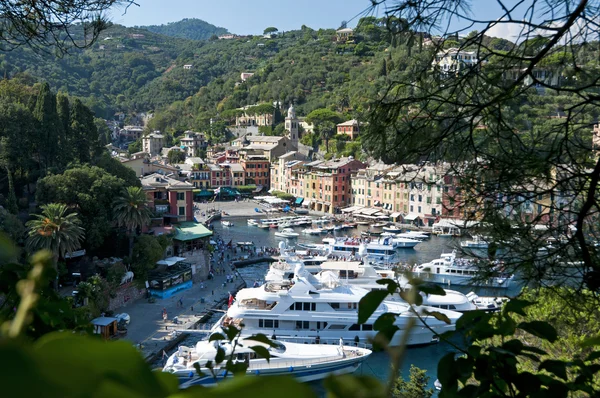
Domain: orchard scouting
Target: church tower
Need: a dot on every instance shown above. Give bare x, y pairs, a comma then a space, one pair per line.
291, 126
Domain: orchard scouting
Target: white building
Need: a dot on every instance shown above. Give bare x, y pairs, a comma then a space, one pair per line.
193, 142
453, 60
153, 143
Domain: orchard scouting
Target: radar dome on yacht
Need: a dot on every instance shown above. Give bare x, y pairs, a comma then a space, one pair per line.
329, 279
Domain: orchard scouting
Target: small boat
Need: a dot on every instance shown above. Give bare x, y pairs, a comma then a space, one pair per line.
350, 224
362, 222
312, 231
307, 362
412, 235
287, 233
227, 223
392, 228
273, 226
328, 228
487, 303
380, 225
263, 226
478, 242
252, 222
338, 228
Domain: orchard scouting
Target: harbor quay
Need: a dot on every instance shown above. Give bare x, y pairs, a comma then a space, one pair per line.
152, 334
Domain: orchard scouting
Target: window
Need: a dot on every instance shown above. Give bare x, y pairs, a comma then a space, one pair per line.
411, 208
302, 325
335, 306
419, 209
180, 195
181, 210
420, 198
268, 323
354, 327
367, 326
337, 327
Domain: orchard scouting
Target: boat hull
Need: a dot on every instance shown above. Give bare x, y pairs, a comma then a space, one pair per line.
303, 373
461, 280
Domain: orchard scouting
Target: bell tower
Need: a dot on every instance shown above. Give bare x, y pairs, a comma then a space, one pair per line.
291, 126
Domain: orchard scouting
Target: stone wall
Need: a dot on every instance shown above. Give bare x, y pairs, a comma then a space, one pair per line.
126, 294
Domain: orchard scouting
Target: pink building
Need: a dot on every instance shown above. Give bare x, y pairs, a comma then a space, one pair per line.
326, 183
170, 198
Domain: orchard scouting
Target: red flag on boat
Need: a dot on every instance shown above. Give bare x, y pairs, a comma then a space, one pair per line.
230, 300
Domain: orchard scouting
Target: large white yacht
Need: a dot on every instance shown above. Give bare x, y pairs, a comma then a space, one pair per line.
449, 270
306, 362
362, 274
304, 308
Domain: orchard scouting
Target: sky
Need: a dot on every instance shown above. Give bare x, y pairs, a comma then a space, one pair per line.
253, 16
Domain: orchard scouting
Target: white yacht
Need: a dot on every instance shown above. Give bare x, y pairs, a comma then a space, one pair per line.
413, 235
380, 251
362, 274
306, 362
227, 223
312, 231
252, 222
478, 242
405, 243
305, 308
287, 233
449, 270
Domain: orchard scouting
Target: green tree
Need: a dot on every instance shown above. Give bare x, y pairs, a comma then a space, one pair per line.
56, 230
12, 226
131, 211
175, 156
415, 387
45, 111
325, 122
270, 30
146, 252
84, 132
65, 140
92, 191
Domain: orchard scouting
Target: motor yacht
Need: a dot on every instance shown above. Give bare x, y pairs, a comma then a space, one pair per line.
478, 242
405, 243
413, 235
306, 362
362, 274
227, 223
449, 270
312, 231
287, 233
304, 307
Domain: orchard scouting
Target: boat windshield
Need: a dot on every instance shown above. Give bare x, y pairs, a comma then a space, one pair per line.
279, 348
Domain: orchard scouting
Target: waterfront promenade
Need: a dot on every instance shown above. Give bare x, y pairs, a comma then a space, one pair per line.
152, 334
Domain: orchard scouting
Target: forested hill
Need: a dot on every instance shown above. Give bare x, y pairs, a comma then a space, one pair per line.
188, 28
132, 69
188, 82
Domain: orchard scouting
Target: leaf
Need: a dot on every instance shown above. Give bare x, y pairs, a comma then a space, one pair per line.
446, 372
261, 338
263, 387
91, 362
261, 351
471, 318
412, 297
540, 329
517, 306
431, 288
515, 346
535, 350
220, 356
438, 315
385, 321
232, 332
216, 336
593, 356
392, 286
7, 249
353, 386
369, 303
559, 368
591, 341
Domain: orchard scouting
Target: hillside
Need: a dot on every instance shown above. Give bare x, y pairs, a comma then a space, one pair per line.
188, 28
131, 69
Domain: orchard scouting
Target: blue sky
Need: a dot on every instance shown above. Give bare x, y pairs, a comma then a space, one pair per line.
252, 16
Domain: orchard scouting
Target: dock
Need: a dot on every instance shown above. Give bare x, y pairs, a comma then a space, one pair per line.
255, 260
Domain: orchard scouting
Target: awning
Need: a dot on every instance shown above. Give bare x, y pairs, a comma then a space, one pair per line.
258, 189
170, 261
204, 193
351, 209
187, 231
299, 201
306, 203
395, 215
411, 217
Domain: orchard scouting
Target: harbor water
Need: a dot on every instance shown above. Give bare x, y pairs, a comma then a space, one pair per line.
377, 365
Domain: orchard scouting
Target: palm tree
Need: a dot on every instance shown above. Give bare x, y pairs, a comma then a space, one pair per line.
131, 211
55, 230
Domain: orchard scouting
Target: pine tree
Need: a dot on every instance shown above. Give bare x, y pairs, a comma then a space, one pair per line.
83, 131
65, 142
46, 115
